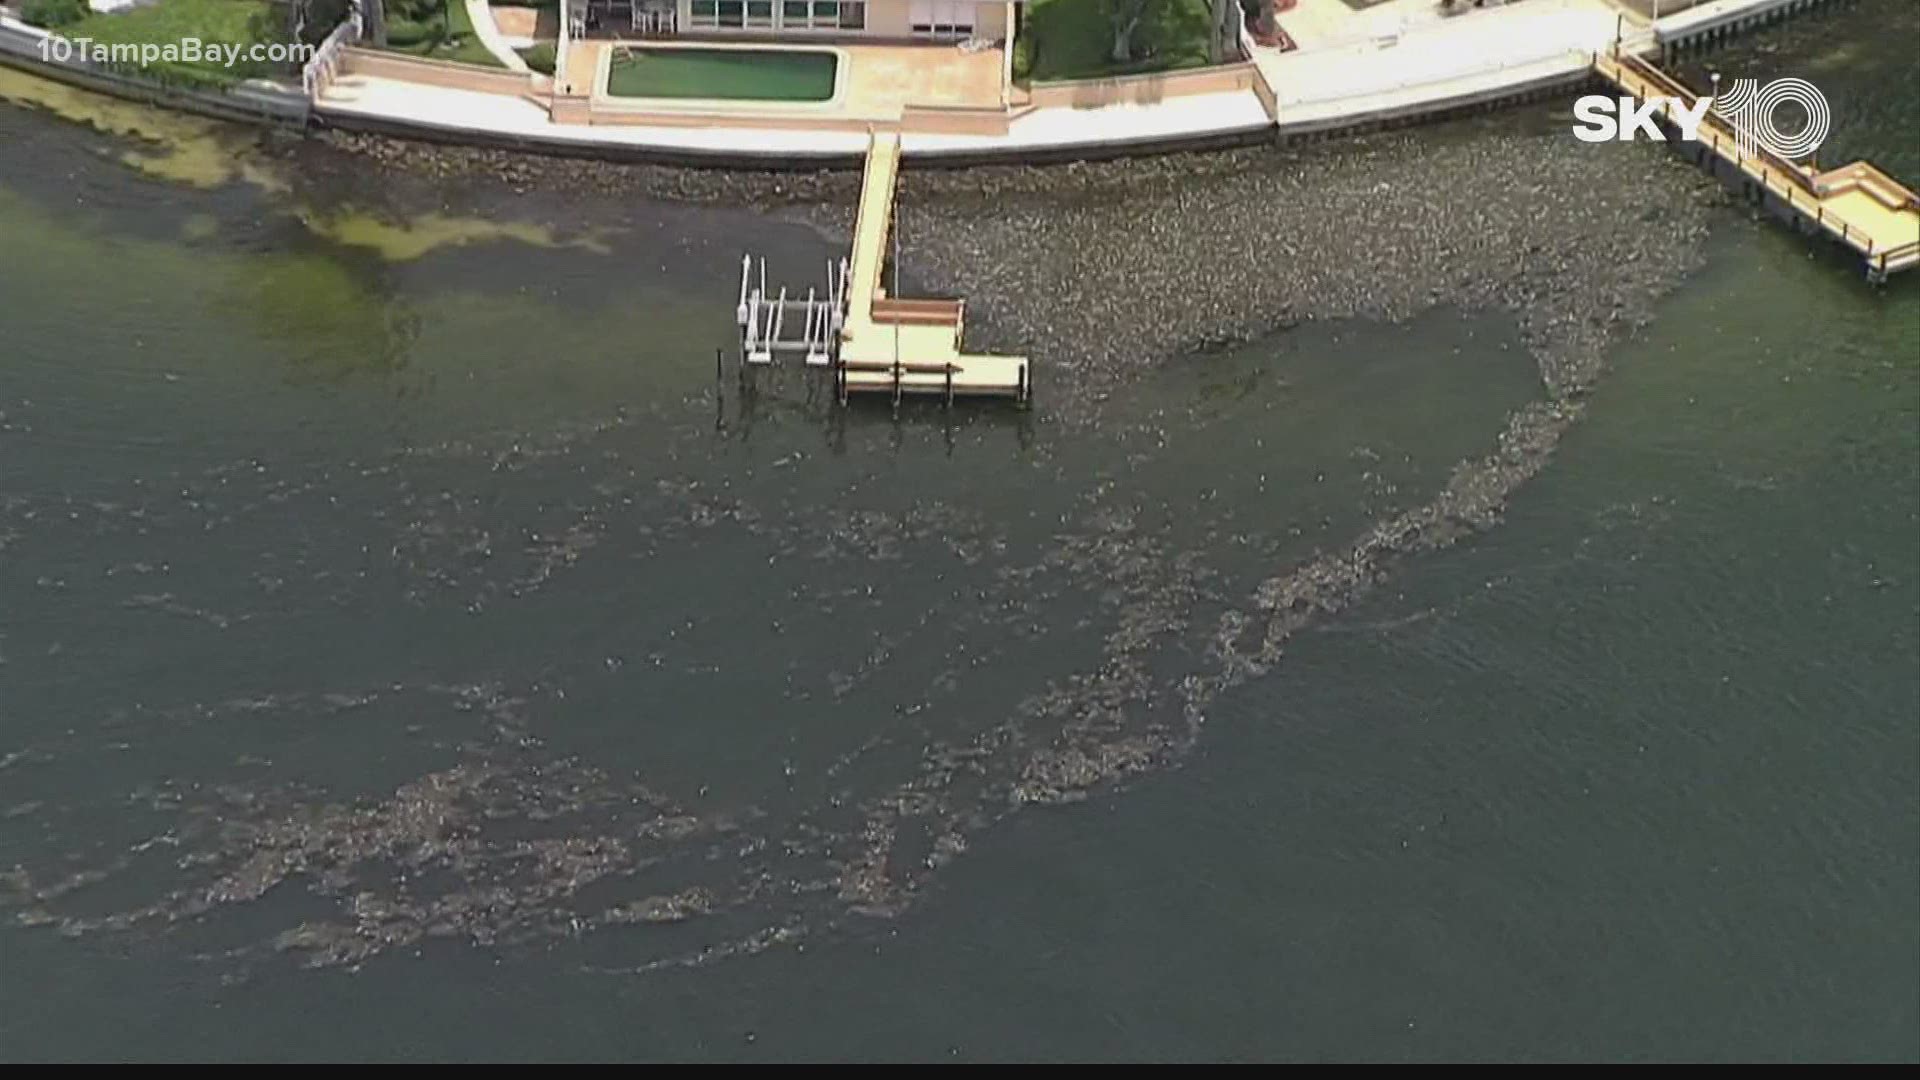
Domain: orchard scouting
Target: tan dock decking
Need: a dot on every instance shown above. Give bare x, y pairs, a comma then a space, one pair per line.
1857, 204
896, 346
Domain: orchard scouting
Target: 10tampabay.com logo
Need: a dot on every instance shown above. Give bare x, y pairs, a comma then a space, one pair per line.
1748, 108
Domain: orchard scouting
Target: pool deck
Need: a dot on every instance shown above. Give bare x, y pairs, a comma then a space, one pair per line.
876, 84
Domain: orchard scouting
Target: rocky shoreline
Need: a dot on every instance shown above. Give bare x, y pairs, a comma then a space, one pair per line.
1175, 256
1101, 270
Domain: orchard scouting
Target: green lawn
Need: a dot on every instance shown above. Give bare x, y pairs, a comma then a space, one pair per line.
225, 22
539, 56
1072, 39
449, 37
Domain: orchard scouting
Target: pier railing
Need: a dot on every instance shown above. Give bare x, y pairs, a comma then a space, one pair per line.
324, 64
1671, 87
1807, 192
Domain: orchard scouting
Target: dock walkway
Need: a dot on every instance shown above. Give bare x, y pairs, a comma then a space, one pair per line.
1858, 204
899, 346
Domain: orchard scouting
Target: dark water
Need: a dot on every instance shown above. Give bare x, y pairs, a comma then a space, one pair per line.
449, 599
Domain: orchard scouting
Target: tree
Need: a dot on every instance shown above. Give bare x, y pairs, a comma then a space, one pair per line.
310, 21
1124, 17
374, 21
1225, 47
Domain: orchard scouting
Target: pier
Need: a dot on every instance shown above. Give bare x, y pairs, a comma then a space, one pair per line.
1857, 205
889, 344
875, 342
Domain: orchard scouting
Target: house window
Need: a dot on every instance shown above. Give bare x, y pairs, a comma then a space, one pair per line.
759, 12
940, 18
853, 15
716, 12
813, 15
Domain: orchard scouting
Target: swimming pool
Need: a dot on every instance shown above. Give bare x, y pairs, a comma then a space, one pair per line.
732, 74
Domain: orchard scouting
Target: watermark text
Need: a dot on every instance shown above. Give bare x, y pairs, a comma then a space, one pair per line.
1747, 114
62, 50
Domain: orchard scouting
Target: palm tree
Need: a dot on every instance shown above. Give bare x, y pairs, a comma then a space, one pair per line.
1226, 31
1124, 17
373, 15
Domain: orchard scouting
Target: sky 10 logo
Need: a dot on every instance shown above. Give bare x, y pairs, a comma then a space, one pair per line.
1751, 110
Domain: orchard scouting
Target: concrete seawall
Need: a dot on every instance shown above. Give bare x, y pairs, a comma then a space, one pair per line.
1230, 106
1707, 24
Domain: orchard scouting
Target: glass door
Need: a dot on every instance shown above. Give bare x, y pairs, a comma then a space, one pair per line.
943, 19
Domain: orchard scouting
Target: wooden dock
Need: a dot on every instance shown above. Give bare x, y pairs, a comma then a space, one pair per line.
1858, 205
898, 346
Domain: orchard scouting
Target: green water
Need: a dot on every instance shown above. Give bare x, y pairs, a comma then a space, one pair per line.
728, 74
299, 510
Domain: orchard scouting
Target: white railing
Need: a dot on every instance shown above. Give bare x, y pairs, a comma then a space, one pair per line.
320, 69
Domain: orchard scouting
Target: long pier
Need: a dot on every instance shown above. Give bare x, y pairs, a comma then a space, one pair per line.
893, 345
1858, 205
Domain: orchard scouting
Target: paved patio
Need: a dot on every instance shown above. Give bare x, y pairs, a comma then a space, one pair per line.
1406, 51
886, 77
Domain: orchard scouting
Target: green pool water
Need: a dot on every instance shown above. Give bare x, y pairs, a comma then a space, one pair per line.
734, 74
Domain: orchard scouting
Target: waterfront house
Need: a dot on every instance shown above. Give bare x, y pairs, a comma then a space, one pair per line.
800, 20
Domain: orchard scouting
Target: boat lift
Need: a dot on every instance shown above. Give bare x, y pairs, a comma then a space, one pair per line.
874, 340
764, 319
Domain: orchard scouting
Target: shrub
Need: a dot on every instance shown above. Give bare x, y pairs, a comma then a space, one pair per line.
417, 11
406, 32
53, 14
539, 57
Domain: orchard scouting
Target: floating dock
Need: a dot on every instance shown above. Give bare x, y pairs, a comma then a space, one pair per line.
899, 346
1858, 204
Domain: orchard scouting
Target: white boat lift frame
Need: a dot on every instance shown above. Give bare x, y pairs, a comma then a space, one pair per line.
763, 318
